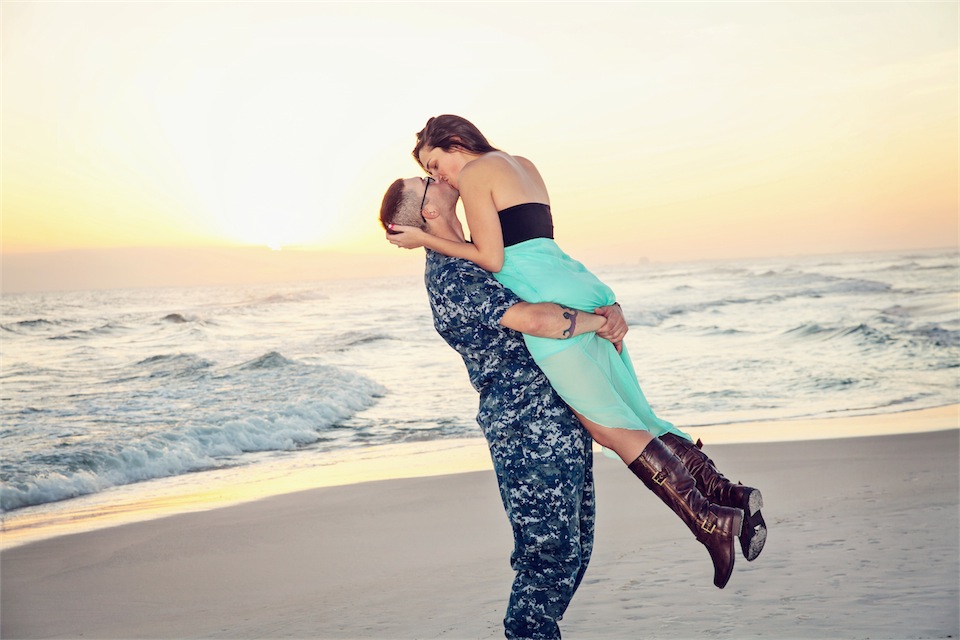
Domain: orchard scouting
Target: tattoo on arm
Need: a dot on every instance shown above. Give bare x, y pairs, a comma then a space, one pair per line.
571, 315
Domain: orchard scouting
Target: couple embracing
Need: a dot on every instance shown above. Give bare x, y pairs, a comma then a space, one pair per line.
542, 341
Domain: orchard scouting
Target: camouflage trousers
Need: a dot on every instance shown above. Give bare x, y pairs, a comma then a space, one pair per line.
545, 472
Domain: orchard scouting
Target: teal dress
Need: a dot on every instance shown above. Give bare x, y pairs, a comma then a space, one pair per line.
586, 370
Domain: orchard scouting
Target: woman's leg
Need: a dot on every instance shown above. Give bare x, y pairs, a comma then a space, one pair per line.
626, 443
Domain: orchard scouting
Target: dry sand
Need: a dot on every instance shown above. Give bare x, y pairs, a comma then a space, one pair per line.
863, 544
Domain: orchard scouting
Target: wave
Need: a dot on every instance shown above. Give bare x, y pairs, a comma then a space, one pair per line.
935, 335
715, 330
804, 284
308, 295
172, 365
205, 441
852, 285
280, 298
905, 267
102, 330
927, 333
901, 403
656, 317
186, 318
352, 339
764, 288
26, 325
903, 345
833, 384
813, 330
271, 360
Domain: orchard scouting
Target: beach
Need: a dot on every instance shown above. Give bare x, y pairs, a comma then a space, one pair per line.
862, 543
229, 407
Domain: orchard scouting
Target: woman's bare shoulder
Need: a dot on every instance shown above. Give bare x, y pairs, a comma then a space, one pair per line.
499, 170
524, 161
526, 164
488, 165
502, 162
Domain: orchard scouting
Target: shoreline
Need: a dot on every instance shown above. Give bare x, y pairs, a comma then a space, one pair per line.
221, 488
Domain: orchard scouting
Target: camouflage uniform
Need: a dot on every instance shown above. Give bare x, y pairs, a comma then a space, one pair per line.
541, 454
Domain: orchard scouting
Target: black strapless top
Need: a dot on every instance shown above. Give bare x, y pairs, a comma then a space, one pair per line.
525, 222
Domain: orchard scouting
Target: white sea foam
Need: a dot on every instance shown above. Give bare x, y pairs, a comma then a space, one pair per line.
224, 415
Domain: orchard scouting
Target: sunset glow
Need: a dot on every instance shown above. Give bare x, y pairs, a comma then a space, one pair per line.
664, 131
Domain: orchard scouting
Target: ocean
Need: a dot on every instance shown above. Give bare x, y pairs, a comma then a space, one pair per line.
119, 388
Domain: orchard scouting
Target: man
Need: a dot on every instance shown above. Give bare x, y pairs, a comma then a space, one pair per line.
541, 453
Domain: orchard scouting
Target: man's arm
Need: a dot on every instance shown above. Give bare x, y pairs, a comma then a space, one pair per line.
488, 302
549, 320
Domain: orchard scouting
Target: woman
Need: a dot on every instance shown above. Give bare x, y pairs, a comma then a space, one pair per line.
507, 208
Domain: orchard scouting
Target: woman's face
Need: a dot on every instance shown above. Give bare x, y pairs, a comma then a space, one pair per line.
442, 165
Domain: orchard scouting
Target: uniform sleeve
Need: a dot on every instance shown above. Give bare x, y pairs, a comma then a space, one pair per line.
479, 298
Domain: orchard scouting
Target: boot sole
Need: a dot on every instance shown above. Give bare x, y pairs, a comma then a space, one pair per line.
754, 503
754, 534
756, 540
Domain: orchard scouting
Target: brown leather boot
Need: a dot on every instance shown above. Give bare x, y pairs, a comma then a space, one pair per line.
714, 526
721, 491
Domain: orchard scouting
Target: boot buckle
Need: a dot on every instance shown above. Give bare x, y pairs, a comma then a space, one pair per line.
708, 527
660, 477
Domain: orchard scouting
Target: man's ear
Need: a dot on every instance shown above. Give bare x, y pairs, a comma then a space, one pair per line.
430, 212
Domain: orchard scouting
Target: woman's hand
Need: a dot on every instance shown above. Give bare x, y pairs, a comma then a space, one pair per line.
615, 328
406, 237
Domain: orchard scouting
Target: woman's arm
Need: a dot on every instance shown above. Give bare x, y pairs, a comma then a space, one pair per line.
453, 248
487, 257
549, 320
476, 192
486, 249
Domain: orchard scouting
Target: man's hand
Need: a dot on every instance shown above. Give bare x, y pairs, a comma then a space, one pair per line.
406, 237
615, 328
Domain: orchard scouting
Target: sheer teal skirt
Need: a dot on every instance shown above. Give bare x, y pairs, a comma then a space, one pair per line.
586, 371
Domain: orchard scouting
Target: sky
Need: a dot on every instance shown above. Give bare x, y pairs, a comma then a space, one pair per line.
171, 143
